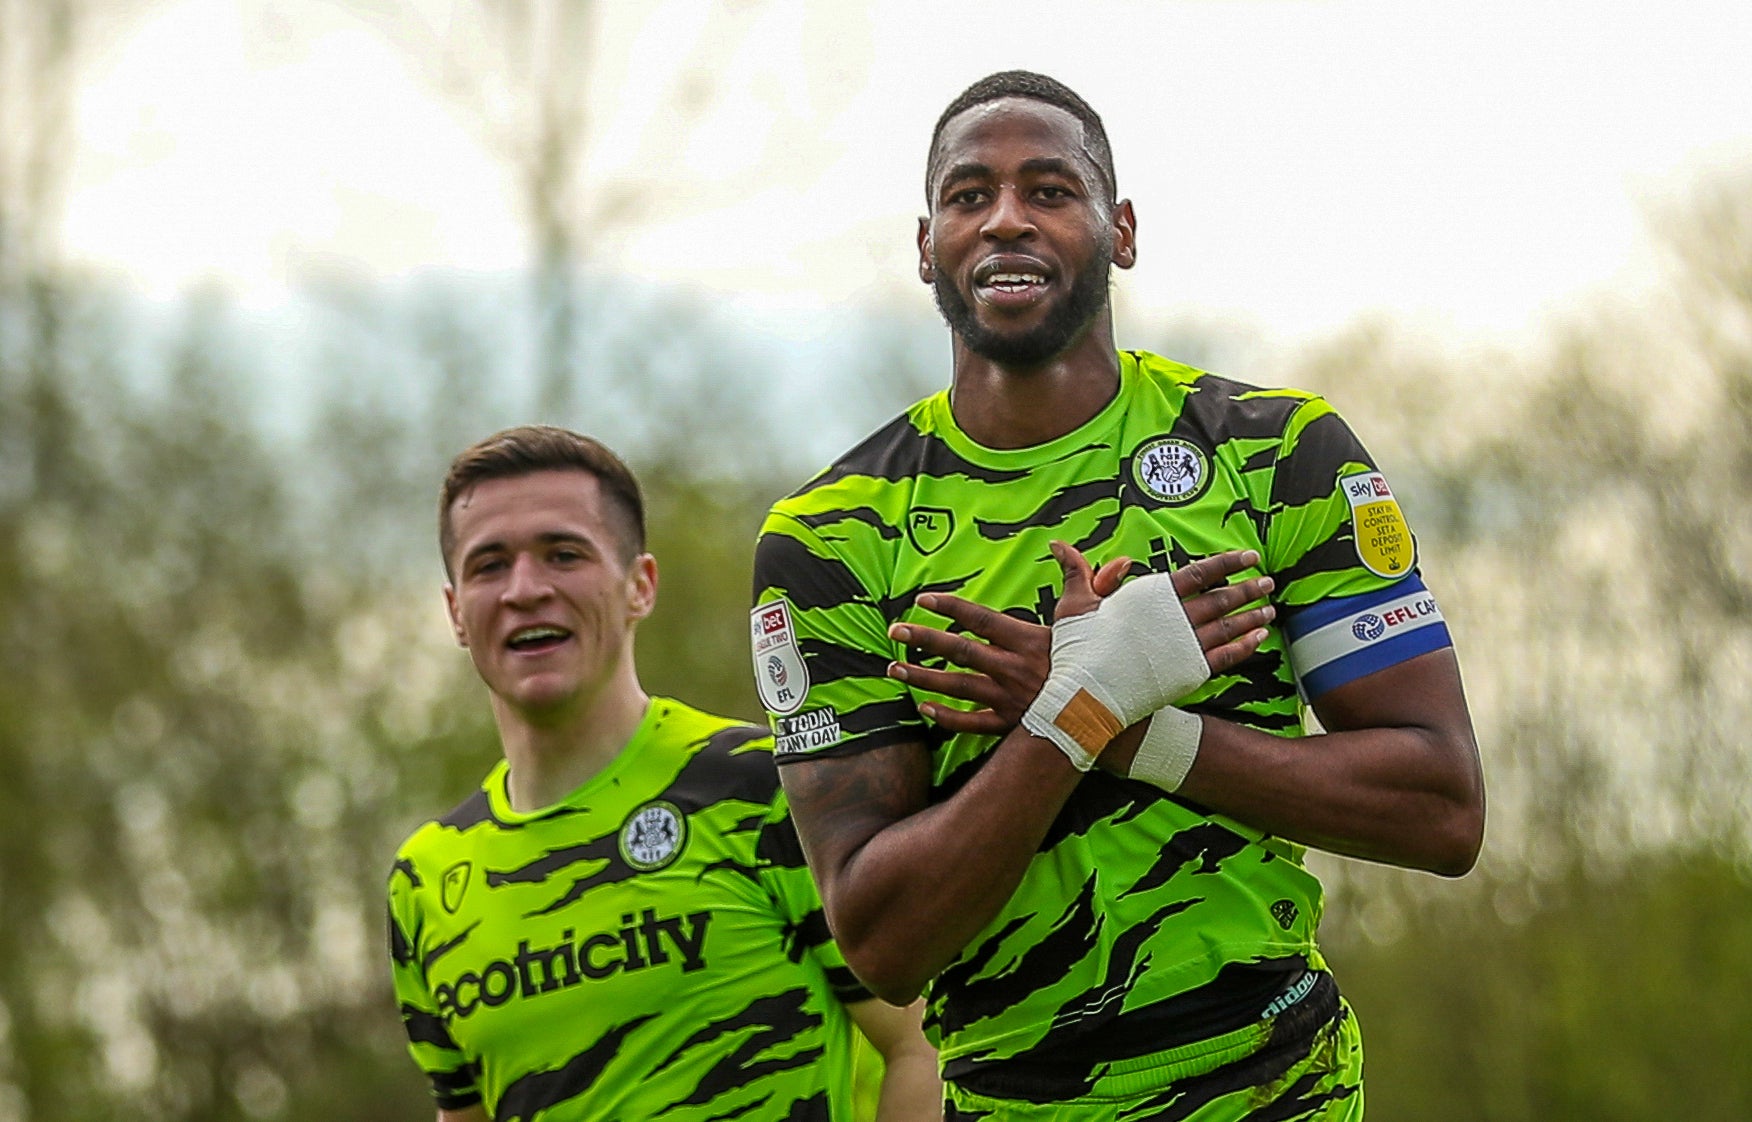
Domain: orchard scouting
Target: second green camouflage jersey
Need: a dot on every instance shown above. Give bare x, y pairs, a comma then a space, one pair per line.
650, 947
1137, 900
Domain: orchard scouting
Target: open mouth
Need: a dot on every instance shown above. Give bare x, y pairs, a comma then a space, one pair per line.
534, 640
1010, 283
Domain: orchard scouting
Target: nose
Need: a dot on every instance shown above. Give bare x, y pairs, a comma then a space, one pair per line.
528, 583
1009, 218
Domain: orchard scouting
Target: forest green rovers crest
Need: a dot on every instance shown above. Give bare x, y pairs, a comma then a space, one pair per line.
1171, 470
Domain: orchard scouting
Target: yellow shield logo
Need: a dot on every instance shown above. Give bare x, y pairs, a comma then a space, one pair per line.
1384, 543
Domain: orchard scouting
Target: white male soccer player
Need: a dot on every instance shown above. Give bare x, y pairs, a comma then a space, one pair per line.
1094, 860
618, 924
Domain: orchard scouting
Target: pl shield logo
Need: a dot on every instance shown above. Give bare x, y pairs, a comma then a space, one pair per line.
928, 528
453, 885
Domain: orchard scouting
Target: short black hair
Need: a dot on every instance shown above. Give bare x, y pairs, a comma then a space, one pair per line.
528, 449
1038, 87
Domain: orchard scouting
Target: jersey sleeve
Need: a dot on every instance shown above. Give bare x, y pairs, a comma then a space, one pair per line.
788, 883
821, 649
1350, 598
451, 1075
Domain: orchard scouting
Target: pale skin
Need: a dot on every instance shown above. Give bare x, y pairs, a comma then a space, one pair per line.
547, 597
907, 882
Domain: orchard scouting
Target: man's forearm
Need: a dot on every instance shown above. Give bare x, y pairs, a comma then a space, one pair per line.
905, 891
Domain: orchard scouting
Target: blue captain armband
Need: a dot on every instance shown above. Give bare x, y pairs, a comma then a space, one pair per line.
1338, 641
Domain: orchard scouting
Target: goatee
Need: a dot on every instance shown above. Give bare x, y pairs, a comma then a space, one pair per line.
1037, 345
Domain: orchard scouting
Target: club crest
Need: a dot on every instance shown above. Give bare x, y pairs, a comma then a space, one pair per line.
653, 835
1171, 470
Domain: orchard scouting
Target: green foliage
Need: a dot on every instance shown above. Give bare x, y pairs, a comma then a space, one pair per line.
227, 690
1612, 999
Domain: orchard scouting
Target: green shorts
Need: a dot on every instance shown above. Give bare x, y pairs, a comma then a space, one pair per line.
1322, 1084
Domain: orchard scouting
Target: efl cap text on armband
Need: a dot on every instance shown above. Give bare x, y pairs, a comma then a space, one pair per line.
1340, 640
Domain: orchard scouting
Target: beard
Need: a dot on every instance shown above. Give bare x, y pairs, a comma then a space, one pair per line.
1063, 324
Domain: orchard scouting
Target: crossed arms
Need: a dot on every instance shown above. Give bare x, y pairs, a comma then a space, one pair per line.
907, 882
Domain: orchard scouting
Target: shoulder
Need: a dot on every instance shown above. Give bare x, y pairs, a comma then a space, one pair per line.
1224, 408
724, 758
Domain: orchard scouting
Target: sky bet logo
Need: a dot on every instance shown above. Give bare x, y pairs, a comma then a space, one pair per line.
538, 970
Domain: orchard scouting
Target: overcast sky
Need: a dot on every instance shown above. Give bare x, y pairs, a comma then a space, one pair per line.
1474, 167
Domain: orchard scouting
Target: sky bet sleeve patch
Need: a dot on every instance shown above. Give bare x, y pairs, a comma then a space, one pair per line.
1340, 640
1384, 544
779, 670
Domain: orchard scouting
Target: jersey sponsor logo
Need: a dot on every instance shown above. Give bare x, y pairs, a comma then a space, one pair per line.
1298, 990
779, 670
806, 732
635, 945
928, 528
653, 835
1384, 544
1171, 469
453, 885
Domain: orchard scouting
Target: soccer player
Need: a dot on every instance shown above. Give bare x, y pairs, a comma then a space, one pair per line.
618, 924
1093, 859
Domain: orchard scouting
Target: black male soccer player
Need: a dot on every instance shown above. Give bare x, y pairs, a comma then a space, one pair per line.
618, 924
1096, 866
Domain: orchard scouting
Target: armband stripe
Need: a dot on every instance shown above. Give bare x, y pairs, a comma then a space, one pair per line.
1359, 635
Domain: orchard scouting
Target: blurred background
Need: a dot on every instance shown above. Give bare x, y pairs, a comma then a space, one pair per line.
266, 265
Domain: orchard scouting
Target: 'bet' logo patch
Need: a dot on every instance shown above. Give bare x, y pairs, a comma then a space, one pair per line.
779, 670
1384, 544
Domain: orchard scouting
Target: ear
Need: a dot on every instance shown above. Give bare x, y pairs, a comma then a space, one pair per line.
1125, 234
927, 271
642, 587
455, 615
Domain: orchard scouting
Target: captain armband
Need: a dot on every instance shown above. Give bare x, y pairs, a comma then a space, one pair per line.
1337, 641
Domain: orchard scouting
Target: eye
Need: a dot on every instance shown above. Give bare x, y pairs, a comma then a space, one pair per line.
1052, 192
486, 566
967, 196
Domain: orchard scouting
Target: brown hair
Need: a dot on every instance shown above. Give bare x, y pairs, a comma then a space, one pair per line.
527, 449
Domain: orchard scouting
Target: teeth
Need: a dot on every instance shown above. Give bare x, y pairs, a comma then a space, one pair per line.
1000, 279
535, 634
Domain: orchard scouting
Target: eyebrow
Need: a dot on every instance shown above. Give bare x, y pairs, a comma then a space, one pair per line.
1034, 165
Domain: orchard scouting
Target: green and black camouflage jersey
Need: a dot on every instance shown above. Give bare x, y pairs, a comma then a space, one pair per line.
1137, 899
652, 946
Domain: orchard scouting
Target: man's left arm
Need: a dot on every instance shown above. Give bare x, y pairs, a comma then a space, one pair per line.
1396, 777
911, 1090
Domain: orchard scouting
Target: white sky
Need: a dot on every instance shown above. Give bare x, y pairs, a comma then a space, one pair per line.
1470, 166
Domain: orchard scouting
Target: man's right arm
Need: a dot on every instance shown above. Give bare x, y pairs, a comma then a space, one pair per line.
907, 883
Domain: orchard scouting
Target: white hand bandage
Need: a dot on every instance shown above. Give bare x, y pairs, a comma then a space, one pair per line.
1169, 746
1116, 665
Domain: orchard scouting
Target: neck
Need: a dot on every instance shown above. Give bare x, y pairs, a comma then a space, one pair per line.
553, 752
1005, 407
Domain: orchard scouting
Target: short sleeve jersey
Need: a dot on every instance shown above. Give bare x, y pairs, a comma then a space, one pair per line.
650, 947
1135, 897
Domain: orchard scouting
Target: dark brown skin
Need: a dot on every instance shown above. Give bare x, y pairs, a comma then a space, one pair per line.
1401, 786
907, 882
